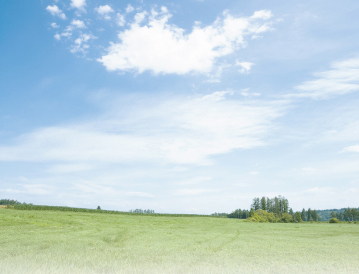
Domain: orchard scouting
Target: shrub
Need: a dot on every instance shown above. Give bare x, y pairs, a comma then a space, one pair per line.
286, 218
333, 220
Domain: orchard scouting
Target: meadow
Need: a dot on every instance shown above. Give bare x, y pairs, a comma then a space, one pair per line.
80, 242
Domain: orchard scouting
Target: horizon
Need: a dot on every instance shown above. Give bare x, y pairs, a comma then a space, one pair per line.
193, 107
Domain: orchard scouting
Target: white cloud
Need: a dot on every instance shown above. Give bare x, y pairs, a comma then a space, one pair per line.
55, 11
104, 11
78, 4
129, 8
245, 66
78, 24
80, 43
120, 19
341, 79
179, 131
54, 25
354, 148
217, 95
57, 36
178, 52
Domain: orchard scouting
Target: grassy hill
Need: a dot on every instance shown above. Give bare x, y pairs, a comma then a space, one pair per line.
48, 241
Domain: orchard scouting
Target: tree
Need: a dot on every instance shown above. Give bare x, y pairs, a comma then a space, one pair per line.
256, 204
333, 214
309, 215
285, 205
276, 206
269, 205
297, 217
98, 208
263, 203
291, 212
251, 213
303, 214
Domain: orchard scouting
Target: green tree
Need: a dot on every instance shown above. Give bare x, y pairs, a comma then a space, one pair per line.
297, 217
303, 214
276, 206
333, 214
256, 204
263, 203
309, 215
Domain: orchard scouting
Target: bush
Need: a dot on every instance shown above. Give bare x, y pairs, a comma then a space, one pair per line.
263, 216
286, 218
333, 220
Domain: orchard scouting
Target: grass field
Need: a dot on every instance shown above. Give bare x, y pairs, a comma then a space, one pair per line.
71, 242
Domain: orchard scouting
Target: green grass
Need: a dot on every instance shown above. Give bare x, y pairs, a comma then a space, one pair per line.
77, 242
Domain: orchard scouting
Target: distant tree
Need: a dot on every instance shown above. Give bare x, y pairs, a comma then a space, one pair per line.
297, 217
333, 214
251, 213
263, 203
269, 205
285, 205
309, 215
315, 216
291, 212
98, 208
277, 206
303, 214
256, 204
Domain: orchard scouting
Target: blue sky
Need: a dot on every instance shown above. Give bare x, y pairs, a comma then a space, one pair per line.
184, 107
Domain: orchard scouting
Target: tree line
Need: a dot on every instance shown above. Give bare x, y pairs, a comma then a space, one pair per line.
274, 210
349, 215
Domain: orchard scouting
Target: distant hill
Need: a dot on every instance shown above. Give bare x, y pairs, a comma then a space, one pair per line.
325, 214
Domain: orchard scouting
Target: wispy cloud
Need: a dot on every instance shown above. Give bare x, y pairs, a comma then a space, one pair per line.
342, 78
181, 130
354, 148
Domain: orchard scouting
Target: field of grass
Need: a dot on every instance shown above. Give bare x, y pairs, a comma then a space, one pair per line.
77, 242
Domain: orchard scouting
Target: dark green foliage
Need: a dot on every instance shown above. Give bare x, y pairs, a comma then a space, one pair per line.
217, 214
256, 204
9, 202
286, 218
297, 217
263, 216
333, 220
303, 214
74, 209
141, 211
98, 208
263, 203
239, 214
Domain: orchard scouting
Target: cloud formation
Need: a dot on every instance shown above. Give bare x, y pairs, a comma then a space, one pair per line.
343, 78
105, 11
153, 44
354, 148
180, 131
55, 11
78, 4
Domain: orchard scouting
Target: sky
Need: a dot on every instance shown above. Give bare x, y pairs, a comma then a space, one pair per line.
179, 106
